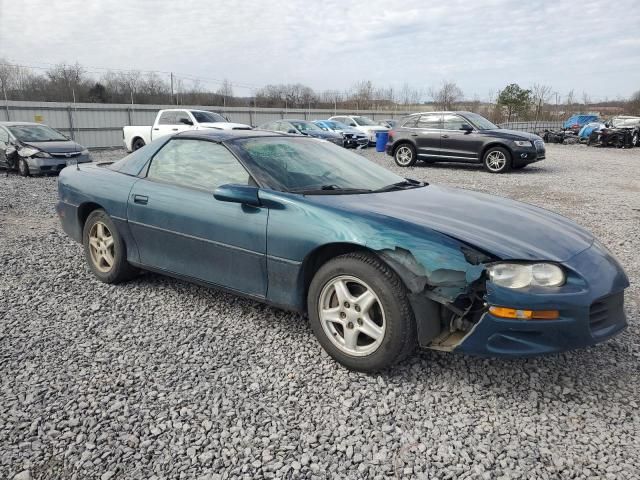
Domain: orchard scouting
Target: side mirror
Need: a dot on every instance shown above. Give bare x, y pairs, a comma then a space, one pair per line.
291, 130
186, 121
235, 193
466, 127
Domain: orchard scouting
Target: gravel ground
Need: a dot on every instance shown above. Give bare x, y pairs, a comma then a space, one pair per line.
160, 379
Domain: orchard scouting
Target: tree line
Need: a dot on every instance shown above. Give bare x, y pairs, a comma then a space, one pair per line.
73, 83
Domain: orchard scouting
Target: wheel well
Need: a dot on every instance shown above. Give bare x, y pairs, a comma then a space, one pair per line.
84, 211
495, 144
322, 255
400, 143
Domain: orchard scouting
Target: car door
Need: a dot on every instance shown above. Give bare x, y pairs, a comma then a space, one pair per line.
180, 228
426, 134
458, 144
171, 122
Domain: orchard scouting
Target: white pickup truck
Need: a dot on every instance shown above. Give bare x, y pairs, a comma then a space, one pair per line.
169, 122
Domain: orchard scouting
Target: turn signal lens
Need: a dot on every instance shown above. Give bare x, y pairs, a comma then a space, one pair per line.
505, 312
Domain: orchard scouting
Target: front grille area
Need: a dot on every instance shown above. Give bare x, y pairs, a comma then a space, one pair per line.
606, 313
65, 155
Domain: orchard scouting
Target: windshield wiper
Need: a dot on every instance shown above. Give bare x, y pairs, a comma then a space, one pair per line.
405, 184
329, 190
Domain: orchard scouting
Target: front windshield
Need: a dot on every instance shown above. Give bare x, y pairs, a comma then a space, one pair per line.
365, 121
207, 117
480, 122
337, 125
311, 166
36, 133
305, 126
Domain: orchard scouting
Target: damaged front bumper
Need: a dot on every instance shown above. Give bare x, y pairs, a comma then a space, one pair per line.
54, 164
451, 305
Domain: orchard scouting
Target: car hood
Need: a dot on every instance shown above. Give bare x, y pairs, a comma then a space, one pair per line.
225, 126
504, 228
373, 128
511, 134
62, 146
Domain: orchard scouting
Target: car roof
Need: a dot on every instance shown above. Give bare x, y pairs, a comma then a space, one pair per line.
225, 135
457, 112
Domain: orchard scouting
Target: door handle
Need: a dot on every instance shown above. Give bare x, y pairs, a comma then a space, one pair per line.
174, 129
445, 136
156, 128
414, 134
141, 199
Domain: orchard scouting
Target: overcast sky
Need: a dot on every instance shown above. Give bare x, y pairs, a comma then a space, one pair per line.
586, 45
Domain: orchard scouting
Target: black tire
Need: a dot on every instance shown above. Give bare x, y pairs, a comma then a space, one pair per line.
405, 155
120, 270
488, 158
137, 144
23, 168
399, 337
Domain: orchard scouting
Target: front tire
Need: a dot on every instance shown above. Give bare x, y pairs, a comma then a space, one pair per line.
104, 249
405, 155
23, 168
359, 311
497, 160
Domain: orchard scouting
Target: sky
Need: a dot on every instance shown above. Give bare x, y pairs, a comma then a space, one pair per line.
589, 46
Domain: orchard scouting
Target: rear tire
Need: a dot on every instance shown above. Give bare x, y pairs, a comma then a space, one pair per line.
497, 160
405, 155
359, 311
23, 168
104, 249
138, 143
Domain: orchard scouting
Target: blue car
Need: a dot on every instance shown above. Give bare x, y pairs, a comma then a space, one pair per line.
379, 263
576, 122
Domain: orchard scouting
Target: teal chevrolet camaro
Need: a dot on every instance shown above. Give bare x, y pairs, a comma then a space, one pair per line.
379, 263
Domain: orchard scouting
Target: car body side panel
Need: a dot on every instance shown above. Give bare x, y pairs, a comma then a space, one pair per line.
109, 190
422, 257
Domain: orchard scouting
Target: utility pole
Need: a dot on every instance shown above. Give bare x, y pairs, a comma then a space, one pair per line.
172, 88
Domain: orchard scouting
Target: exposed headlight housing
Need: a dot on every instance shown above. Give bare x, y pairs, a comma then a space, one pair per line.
32, 152
523, 143
521, 275
85, 152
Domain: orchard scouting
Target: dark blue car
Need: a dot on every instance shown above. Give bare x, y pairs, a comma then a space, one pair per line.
381, 264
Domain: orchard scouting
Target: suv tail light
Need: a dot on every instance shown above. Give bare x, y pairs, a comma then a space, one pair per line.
391, 133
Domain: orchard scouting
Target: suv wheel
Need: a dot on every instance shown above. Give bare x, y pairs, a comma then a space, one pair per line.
405, 155
497, 160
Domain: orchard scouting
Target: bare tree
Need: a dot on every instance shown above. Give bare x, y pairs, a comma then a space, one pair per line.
446, 96
225, 91
540, 94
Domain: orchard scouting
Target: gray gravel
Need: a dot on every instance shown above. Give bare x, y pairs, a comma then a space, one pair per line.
160, 379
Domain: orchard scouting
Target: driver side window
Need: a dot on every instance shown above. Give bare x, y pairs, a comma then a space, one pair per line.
196, 164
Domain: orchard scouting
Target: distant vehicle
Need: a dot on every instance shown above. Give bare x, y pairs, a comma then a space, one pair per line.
33, 148
172, 121
351, 137
462, 137
624, 121
588, 129
576, 122
379, 263
303, 127
389, 123
364, 124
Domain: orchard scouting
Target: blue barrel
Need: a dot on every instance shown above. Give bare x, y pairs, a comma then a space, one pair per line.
381, 141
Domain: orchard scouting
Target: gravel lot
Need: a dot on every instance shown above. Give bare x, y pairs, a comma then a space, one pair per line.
161, 379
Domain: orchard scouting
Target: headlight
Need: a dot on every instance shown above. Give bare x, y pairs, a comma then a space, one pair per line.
42, 155
523, 143
518, 275
28, 151
85, 152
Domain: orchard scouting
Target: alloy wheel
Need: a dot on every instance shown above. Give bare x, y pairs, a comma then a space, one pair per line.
351, 315
404, 155
496, 161
101, 247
